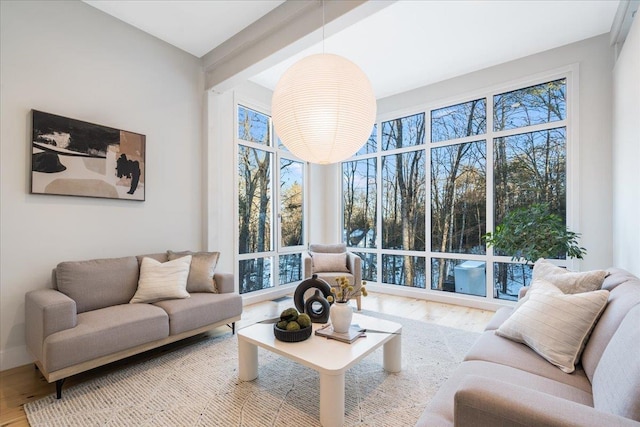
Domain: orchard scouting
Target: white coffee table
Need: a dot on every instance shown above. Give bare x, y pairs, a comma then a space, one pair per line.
330, 358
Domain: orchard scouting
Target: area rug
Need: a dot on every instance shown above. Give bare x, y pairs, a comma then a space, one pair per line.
197, 385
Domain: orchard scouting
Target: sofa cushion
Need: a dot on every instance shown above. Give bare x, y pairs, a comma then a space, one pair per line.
622, 298
616, 277
329, 262
202, 270
440, 410
105, 331
98, 283
498, 318
493, 348
160, 281
616, 381
200, 310
554, 324
159, 256
330, 278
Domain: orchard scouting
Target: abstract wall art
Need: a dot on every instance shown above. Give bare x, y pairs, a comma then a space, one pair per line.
75, 158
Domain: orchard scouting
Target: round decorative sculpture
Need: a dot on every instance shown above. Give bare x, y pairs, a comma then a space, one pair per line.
317, 308
304, 286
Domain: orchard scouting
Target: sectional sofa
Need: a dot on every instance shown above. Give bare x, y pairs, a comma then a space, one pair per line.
98, 312
503, 382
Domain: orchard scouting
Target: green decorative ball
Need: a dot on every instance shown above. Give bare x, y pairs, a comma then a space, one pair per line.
282, 324
289, 314
293, 326
304, 320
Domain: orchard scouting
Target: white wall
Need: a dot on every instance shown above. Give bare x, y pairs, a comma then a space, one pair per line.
70, 59
626, 153
595, 60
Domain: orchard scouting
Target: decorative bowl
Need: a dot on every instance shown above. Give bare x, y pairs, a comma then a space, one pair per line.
292, 336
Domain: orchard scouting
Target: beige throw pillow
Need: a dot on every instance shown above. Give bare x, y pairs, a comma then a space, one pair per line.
569, 282
329, 263
555, 325
203, 267
159, 281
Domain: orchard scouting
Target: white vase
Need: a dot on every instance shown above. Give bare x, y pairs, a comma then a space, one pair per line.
341, 314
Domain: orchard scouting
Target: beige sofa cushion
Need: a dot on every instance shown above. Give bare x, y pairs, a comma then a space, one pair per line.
105, 331
493, 348
158, 256
555, 325
201, 309
622, 299
202, 270
440, 410
616, 381
98, 283
159, 281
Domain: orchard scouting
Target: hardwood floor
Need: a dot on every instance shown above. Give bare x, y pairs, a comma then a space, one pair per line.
25, 384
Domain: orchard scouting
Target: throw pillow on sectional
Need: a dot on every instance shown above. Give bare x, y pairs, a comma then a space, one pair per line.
569, 282
554, 324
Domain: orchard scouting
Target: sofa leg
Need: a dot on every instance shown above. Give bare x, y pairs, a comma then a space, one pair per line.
233, 327
59, 388
359, 302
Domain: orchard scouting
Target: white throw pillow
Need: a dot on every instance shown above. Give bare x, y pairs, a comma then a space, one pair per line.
329, 263
159, 281
555, 325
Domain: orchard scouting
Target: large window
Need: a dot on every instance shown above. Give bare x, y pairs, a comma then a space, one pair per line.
416, 214
270, 185
530, 163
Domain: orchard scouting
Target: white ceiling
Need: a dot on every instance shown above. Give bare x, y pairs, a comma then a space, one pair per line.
409, 44
195, 26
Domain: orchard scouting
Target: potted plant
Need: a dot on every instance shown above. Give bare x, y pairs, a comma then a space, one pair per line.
532, 233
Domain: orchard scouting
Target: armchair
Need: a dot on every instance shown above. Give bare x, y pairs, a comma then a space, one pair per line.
332, 261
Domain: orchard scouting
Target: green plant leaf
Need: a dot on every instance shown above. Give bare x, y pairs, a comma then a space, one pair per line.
534, 232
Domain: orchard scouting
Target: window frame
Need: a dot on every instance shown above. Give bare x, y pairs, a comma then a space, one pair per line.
571, 75
277, 249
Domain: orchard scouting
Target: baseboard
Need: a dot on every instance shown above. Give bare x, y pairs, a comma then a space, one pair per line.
14, 357
443, 297
267, 295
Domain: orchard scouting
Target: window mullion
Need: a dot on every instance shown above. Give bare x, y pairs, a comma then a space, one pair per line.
490, 198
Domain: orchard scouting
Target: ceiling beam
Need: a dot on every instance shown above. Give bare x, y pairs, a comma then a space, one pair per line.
290, 28
626, 13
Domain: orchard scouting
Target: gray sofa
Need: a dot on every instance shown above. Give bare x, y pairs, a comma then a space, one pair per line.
92, 322
504, 383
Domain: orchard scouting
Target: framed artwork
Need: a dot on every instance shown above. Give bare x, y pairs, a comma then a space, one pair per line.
75, 158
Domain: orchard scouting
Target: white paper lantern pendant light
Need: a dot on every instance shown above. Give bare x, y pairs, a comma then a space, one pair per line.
323, 108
